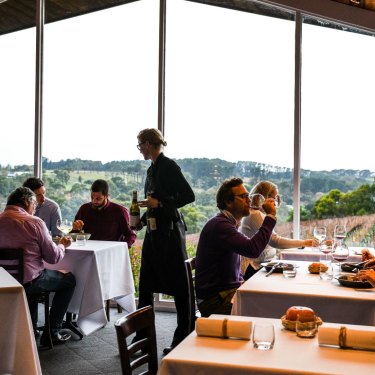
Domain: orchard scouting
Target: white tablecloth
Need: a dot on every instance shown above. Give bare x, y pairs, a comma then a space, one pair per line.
311, 255
290, 355
271, 296
18, 352
102, 270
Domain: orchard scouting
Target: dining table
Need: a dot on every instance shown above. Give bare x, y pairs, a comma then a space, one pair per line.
18, 351
312, 254
290, 355
103, 271
271, 296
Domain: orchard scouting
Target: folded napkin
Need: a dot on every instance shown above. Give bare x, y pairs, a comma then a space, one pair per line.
344, 337
223, 327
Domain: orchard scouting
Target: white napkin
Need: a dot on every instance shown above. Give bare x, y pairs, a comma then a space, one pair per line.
223, 327
339, 335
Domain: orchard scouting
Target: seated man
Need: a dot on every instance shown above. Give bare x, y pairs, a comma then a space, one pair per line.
20, 229
105, 220
217, 274
47, 209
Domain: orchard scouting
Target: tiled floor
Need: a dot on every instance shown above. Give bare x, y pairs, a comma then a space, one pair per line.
97, 353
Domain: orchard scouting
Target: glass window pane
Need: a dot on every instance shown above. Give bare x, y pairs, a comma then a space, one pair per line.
230, 95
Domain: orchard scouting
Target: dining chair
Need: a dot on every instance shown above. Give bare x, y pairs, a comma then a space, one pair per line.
11, 259
193, 309
141, 319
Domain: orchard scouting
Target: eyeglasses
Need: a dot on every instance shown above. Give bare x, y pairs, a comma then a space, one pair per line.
139, 145
242, 196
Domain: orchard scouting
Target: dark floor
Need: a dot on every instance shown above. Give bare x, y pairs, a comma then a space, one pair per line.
97, 353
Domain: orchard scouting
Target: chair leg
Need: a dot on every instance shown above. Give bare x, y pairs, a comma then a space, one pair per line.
107, 309
47, 323
119, 308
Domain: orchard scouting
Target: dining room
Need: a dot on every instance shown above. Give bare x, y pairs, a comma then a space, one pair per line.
190, 69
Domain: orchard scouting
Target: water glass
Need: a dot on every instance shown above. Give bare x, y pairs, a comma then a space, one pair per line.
326, 273
306, 329
263, 336
289, 271
81, 240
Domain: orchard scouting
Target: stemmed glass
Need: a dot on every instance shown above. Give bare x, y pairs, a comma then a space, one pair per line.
320, 234
339, 233
64, 226
340, 252
256, 201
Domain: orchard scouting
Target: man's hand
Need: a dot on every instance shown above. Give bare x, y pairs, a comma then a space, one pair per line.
66, 241
78, 225
269, 206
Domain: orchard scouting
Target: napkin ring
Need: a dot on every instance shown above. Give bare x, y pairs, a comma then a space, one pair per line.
342, 337
224, 328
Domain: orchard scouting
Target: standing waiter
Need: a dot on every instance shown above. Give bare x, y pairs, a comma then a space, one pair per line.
164, 246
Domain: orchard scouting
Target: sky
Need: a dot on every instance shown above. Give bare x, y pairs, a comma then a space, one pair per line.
229, 88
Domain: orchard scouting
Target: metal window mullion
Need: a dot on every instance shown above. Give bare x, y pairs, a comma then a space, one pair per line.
161, 74
40, 7
297, 127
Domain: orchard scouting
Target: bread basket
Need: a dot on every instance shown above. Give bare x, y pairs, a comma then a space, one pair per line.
291, 324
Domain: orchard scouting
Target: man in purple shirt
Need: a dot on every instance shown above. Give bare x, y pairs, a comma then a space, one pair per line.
20, 229
217, 274
105, 220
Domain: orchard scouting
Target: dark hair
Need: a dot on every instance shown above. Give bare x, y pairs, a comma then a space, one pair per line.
100, 186
20, 196
225, 193
33, 183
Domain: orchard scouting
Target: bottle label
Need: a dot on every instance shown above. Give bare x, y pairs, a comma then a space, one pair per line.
134, 221
151, 223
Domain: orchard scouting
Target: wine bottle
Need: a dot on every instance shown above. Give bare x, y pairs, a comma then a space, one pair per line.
151, 219
135, 212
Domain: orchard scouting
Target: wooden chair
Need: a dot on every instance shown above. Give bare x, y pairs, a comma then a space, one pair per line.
141, 319
12, 261
194, 312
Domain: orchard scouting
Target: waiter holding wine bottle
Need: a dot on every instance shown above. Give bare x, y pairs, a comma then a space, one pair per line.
164, 246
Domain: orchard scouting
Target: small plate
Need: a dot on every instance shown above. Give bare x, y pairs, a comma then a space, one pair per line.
349, 267
279, 269
347, 280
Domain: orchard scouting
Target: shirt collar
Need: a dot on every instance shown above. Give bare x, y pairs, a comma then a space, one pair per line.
231, 218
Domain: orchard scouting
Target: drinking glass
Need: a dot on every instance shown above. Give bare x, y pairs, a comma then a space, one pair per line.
256, 201
81, 240
320, 234
289, 271
64, 226
306, 329
339, 233
263, 336
326, 271
340, 252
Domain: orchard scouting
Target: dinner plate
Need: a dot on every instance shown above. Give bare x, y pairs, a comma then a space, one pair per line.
279, 269
347, 280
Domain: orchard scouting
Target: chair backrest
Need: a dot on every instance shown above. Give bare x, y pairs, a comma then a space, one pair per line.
12, 261
141, 319
193, 310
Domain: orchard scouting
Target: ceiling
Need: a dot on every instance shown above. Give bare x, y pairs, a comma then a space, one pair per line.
16, 15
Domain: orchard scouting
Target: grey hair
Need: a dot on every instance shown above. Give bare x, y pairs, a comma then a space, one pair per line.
20, 197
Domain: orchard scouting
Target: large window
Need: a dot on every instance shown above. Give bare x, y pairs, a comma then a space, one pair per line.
230, 94
17, 77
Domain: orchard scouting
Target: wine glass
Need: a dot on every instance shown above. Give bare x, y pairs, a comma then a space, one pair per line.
340, 252
320, 234
256, 201
339, 233
65, 226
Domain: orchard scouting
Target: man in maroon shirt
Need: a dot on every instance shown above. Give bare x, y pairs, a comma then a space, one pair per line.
105, 220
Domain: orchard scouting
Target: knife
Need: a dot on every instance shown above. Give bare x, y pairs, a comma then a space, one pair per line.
272, 269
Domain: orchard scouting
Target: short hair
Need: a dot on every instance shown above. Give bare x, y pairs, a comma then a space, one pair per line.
225, 193
20, 196
100, 186
33, 183
151, 135
265, 188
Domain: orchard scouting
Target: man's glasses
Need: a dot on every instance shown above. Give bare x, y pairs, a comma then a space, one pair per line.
243, 196
139, 145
